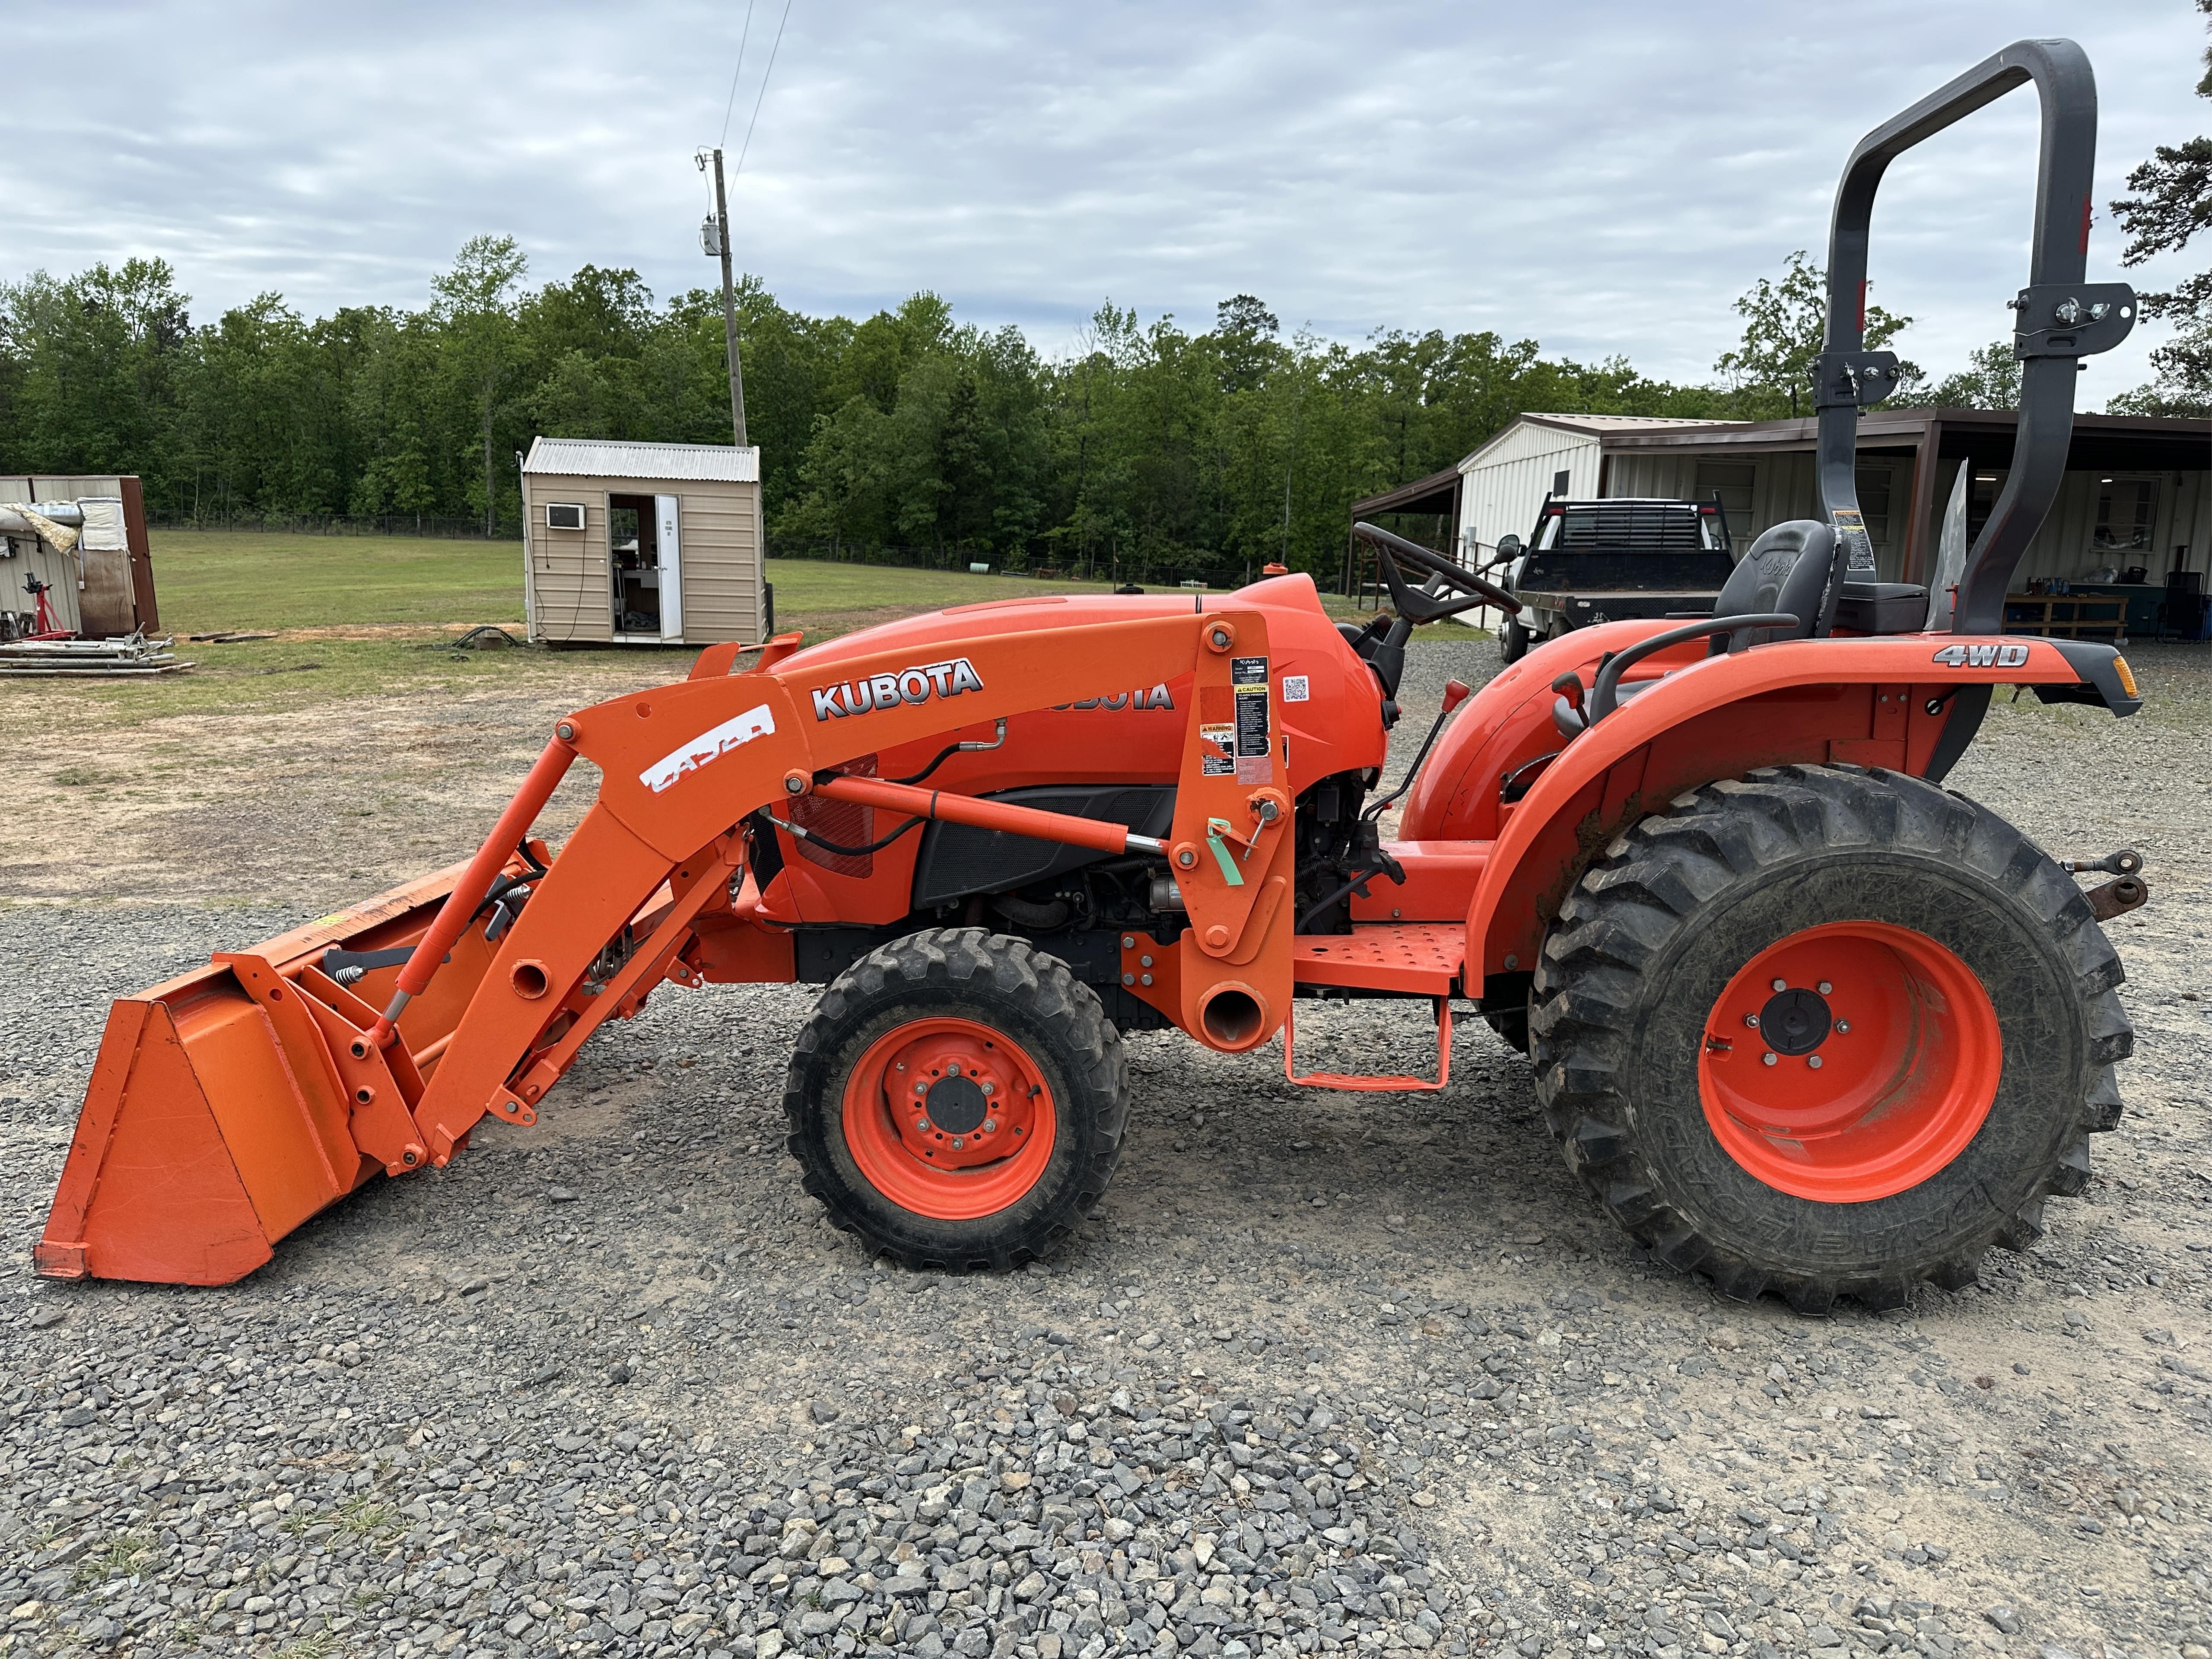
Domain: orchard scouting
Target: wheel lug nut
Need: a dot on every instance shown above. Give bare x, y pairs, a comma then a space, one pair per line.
921, 1123
1844, 1026
1767, 1059
1752, 1020
1823, 988
990, 1088
958, 1142
953, 1070
1813, 1061
989, 1124
1781, 984
922, 1088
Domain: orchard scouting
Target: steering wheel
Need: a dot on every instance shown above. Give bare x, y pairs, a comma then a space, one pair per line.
1416, 605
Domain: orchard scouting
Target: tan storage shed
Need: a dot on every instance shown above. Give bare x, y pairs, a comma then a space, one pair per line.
639, 543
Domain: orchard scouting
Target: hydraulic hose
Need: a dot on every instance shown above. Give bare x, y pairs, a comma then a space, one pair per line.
816, 838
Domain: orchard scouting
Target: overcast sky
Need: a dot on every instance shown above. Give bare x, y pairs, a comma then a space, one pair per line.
1603, 177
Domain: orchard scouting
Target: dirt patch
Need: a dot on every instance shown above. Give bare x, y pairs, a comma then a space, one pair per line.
317, 805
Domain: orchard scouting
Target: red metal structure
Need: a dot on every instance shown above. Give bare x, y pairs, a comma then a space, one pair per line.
1801, 1018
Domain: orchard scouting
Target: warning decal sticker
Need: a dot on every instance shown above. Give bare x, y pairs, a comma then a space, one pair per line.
1850, 526
1216, 751
1255, 745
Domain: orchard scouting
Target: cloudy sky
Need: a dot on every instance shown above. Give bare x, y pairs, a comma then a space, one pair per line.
1604, 177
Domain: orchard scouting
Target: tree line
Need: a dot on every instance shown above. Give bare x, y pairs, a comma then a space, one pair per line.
1144, 449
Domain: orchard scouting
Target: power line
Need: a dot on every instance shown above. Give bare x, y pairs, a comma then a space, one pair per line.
770, 70
732, 102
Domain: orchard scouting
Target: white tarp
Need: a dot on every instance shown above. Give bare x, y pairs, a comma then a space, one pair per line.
103, 530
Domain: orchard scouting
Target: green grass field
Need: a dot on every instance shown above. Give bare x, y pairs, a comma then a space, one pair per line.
363, 616
210, 581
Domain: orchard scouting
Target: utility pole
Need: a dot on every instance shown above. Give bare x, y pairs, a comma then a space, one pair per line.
721, 240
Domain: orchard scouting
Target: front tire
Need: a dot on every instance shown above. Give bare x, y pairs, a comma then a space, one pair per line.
1827, 1031
958, 1101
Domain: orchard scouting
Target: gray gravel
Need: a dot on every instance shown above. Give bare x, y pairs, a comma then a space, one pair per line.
1326, 1375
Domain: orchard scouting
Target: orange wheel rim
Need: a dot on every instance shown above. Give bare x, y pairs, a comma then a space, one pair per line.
949, 1118
1850, 1062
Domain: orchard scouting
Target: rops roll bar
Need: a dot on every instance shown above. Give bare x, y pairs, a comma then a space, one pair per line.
2060, 319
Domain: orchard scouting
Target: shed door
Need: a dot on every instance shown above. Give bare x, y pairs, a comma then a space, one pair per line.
671, 567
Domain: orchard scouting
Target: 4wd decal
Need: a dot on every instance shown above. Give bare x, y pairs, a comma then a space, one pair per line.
709, 745
919, 684
1993, 655
1157, 697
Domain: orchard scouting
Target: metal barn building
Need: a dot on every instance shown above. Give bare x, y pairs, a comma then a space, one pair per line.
642, 544
102, 587
2138, 495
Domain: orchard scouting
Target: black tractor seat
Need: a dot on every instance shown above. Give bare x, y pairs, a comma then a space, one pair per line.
1786, 570
1781, 589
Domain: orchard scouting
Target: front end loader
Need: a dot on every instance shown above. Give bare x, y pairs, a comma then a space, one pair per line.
1801, 1019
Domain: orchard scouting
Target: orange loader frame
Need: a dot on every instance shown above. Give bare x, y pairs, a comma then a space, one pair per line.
227, 1106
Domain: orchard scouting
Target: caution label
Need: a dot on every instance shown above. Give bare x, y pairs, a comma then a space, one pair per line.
1255, 745
1850, 525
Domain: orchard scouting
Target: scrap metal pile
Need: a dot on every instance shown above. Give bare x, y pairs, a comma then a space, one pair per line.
133, 657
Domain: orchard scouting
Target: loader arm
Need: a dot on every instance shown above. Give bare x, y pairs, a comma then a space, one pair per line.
251, 1095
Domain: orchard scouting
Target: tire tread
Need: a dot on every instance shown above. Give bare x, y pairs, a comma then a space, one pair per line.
1623, 911
1001, 969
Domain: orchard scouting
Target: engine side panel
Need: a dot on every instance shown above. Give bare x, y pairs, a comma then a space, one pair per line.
1326, 702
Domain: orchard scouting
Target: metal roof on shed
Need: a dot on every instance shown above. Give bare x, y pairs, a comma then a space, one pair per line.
593, 458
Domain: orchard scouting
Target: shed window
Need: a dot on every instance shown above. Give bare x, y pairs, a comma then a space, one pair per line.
564, 515
2125, 510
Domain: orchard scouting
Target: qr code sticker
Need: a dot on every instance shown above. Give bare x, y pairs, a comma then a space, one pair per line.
1295, 689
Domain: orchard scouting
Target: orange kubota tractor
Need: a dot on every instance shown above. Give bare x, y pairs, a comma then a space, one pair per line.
1802, 1019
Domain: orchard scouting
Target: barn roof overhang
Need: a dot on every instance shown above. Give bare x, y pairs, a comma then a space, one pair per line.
2131, 442
1438, 493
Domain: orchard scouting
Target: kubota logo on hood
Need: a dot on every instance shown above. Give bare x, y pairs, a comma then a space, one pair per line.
936, 679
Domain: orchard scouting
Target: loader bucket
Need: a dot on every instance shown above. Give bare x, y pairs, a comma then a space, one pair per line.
227, 1106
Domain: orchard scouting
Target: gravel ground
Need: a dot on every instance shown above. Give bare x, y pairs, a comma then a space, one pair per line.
1327, 1373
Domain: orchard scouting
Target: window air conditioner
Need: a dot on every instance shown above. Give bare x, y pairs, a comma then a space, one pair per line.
564, 515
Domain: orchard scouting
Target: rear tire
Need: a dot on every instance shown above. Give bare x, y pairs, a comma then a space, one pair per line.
1512, 641
958, 1101
1954, 941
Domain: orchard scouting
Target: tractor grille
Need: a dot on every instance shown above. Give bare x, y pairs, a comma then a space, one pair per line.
846, 823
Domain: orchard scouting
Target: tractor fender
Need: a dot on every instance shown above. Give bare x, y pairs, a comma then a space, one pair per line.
1907, 702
